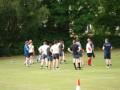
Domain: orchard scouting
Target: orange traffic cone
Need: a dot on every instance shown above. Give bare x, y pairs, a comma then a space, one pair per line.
78, 85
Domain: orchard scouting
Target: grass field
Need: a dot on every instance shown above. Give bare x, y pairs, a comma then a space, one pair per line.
15, 76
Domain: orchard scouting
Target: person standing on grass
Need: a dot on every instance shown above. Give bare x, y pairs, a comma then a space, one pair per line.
31, 51
107, 52
26, 53
89, 52
62, 55
92, 45
81, 61
74, 49
43, 50
49, 57
55, 52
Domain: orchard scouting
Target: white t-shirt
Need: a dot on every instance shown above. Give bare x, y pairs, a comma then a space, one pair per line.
43, 48
88, 48
55, 49
31, 48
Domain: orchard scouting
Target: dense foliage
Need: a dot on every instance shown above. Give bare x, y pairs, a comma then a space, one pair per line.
47, 20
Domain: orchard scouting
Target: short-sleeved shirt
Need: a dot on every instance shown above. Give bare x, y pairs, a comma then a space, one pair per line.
26, 50
87, 48
61, 47
74, 48
43, 48
31, 47
79, 44
48, 52
107, 47
55, 49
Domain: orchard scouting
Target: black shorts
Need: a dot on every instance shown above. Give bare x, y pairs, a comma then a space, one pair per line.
49, 58
30, 54
56, 56
89, 54
107, 55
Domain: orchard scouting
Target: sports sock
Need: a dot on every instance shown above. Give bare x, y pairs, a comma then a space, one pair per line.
79, 65
88, 62
74, 66
65, 61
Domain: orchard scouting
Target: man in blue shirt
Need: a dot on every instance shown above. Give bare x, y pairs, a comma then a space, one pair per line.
107, 52
26, 53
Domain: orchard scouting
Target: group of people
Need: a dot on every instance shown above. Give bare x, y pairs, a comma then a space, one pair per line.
76, 50
53, 55
28, 52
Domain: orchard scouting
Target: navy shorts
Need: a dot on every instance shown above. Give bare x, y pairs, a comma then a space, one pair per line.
107, 55
26, 55
76, 56
49, 58
89, 54
44, 56
80, 54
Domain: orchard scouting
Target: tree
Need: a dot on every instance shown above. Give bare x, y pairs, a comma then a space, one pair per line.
82, 13
18, 20
109, 17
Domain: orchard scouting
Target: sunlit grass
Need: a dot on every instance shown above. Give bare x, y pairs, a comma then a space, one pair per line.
15, 76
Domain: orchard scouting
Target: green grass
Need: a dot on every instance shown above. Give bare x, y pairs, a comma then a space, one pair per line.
15, 76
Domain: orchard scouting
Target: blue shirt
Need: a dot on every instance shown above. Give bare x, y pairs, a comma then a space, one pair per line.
107, 47
26, 48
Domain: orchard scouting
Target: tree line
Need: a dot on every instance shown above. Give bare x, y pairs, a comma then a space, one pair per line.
47, 20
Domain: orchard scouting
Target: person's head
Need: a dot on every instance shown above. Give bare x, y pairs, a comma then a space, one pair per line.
30, 41
77, 40
50, 44
44, 43
106, 40
74, 41
26, 42
89, 41
62, 42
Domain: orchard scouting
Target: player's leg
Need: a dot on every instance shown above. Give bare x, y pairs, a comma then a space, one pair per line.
46, 61
50, 62
26, 61
54, 61
74, 63
110, 62
63, 56
107, 63
57, 61
42, 61
31, 58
